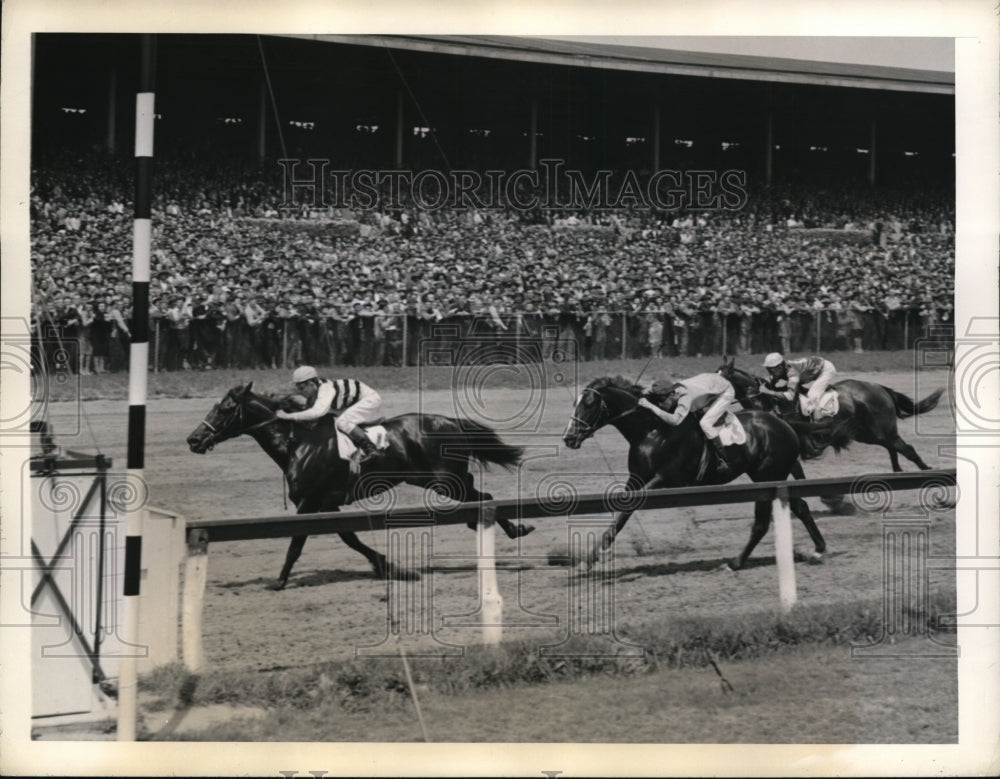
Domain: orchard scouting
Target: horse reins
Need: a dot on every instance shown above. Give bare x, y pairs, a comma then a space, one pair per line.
239, 415
590, 429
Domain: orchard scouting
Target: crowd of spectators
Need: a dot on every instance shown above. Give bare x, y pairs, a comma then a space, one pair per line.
239, 281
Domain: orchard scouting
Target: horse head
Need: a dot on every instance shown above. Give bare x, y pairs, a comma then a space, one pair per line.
602, 401
239, 411
743, 382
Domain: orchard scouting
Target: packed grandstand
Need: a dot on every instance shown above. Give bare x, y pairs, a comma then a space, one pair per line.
245, 277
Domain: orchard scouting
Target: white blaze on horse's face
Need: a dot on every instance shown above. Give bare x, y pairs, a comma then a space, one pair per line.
572, 419
571, 434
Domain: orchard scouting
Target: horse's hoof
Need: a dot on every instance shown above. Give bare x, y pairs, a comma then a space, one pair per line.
815, 559
523, 530
729, 565
278, 585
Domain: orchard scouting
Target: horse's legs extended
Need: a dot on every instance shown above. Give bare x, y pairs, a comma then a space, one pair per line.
623, 517
893, 458
294, 551
801, 509
465, 490
899, 445
378, 561
832, 500
761, 522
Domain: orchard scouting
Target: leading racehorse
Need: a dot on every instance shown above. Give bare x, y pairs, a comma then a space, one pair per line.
665, 456
868, 410
427, 450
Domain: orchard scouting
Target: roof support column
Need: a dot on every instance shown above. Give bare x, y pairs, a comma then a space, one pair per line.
109, 141
399, 130
871, 153
769, 148
656, 139
262, 122
533, 135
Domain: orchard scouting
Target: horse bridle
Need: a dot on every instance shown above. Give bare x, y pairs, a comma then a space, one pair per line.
591, 429
238, 417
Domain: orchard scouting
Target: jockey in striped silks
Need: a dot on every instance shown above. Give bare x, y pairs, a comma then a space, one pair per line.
815, 373
355, 400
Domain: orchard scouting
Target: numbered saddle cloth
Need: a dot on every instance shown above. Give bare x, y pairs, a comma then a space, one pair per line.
732, 431
376, 434
828, 405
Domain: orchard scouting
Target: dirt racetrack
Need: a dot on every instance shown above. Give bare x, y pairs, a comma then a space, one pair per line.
665, 566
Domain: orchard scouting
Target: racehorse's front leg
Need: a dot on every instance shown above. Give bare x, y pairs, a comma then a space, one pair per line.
801, 509
380, 564
293, 554
761, 522
616, 527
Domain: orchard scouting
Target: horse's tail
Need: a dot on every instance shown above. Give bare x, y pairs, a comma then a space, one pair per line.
816, 437
483, 444
905, 407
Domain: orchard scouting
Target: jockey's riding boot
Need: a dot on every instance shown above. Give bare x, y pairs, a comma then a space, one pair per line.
366, 449
720, 451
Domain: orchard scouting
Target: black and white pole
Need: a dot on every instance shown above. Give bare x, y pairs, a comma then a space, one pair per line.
138, 369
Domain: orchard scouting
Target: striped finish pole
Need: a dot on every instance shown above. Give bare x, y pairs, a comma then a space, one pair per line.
138, 369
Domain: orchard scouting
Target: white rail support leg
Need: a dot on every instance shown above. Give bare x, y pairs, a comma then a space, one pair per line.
492, 608
195, 577
783, 549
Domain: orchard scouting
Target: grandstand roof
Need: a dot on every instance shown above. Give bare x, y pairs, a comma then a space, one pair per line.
669, 62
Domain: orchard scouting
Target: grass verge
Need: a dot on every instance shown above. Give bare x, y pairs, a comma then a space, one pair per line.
682, 643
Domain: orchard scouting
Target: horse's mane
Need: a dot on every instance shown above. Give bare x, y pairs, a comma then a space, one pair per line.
286, 402
618, 382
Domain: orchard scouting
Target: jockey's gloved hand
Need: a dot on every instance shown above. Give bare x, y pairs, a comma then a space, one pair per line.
282, 414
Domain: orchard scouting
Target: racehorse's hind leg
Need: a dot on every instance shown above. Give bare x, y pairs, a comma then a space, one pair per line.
893, 458
382, 567
634, 483
467, 491
761, 522
832, 500
899, 445
801, 510
294, 551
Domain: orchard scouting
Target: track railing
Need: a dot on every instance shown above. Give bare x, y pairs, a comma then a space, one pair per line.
201, 533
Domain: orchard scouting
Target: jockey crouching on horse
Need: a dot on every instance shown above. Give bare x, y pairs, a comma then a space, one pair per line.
705, 390
355, 400
813, 372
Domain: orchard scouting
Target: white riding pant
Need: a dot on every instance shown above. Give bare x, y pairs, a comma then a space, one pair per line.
712, 414
820, 384
365, 410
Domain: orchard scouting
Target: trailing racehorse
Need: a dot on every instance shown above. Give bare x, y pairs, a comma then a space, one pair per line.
426, 450
665, 456
869, 410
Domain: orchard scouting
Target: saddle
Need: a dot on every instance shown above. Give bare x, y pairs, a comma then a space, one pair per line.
827, 406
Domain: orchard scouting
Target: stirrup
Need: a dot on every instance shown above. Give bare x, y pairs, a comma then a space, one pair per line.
363, 455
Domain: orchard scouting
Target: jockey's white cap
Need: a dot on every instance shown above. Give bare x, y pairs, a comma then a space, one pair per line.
773, 360
304, 373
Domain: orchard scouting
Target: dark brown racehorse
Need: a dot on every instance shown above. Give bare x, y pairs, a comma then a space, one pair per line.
426, 450
665, 456
868, 410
